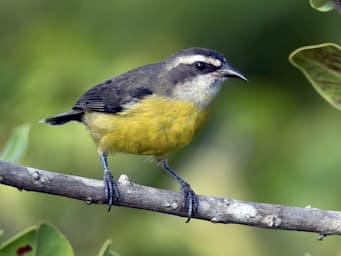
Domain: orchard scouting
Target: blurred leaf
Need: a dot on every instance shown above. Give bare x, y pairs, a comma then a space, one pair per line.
337, 4
106, 250
321, 64
52, 242
16, 145
37, 241
1, 232
324, 5
21, 244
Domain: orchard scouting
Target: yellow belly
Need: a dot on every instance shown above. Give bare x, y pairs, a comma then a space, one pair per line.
154, 126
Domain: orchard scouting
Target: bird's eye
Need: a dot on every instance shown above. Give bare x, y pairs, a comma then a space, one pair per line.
200, 65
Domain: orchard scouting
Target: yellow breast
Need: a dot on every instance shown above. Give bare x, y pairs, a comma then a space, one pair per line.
154, 126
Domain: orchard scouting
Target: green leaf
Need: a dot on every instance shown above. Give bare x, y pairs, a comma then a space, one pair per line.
22, 244
1, 232
321, 64
37, 241
42, 240
323, 5
16, 145
106, 250
50, 241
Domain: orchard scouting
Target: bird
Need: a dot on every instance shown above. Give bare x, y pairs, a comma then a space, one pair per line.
152, 110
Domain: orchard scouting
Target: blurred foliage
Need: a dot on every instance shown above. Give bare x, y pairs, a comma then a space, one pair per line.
325, 5
42, 240
270, 140
321, 64
16, 145
21, 244
106, 250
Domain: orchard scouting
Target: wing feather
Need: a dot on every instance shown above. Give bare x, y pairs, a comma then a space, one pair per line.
111, 95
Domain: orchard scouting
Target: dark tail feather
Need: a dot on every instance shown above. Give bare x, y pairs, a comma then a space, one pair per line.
72, 115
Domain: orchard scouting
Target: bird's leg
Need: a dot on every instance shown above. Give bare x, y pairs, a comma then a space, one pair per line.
110, 187
189, 197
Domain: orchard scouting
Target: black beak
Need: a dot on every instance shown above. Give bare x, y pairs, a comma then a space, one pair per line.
228, 71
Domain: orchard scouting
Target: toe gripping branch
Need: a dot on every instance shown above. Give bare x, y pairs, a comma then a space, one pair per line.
190, 200
110, 186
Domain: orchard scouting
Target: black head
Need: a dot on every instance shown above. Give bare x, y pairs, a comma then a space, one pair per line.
196, 75
190, 63
201, 51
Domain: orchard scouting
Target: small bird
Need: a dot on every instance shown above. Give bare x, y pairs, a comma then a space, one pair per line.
152, 110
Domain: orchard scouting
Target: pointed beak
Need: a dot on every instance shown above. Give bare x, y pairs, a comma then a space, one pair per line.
227, 71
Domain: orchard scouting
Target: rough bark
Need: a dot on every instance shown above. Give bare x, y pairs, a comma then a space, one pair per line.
214, 209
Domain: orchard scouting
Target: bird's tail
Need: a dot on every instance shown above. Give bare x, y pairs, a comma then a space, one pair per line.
72, 115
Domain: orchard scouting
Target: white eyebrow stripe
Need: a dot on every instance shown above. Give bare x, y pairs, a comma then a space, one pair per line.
190, 59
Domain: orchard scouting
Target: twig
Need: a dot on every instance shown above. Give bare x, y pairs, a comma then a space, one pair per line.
214, 209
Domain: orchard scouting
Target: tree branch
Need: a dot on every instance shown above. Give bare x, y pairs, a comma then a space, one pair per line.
214, 209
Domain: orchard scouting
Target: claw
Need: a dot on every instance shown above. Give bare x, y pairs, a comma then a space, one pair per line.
110, 188
190, 201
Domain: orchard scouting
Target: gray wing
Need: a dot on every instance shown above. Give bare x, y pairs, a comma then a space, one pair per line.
111, 95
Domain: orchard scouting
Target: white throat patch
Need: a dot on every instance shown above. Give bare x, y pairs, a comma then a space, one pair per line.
201, 90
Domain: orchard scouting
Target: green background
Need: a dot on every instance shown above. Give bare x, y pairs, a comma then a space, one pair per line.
272, 139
